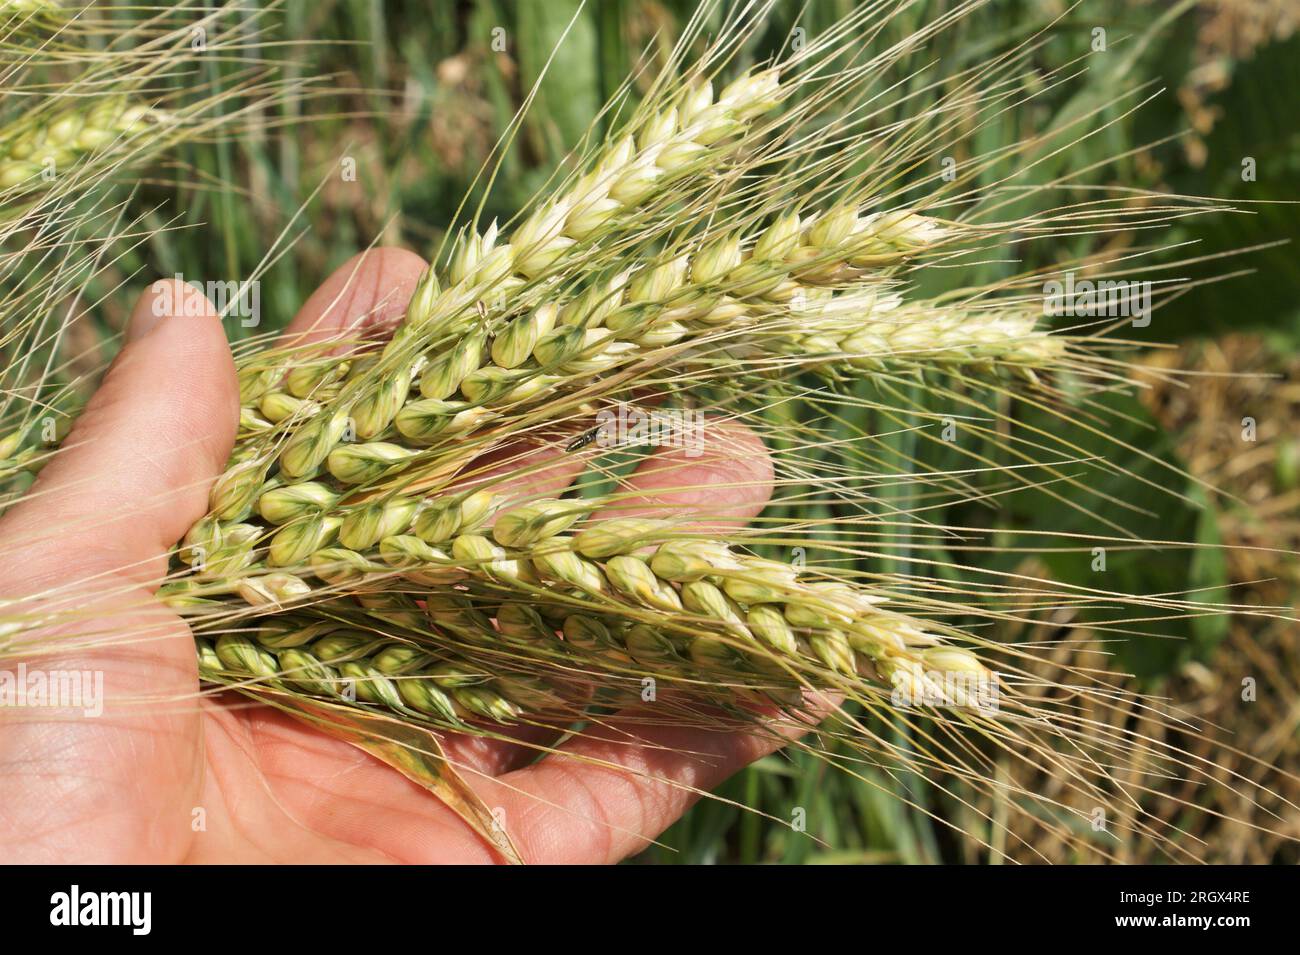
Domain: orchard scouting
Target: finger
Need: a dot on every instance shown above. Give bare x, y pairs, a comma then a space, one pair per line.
722, 481
133, 474
536, 466
607, 794
365, 296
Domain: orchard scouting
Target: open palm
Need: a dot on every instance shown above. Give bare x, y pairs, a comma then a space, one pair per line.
164, 775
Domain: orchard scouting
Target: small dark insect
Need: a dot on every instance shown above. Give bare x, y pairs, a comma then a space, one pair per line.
582, 440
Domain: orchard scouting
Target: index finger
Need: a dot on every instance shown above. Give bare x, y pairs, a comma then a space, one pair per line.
367, 295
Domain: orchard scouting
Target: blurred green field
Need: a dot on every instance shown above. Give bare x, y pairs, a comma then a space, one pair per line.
413, 96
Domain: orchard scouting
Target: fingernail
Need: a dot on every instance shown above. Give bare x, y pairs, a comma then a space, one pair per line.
154, 305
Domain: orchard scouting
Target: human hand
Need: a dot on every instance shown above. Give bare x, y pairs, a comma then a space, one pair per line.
86, 550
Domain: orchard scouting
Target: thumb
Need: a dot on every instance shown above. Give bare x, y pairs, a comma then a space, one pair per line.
134, 472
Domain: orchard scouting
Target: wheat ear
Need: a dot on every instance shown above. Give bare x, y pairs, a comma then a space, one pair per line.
30, 149
695, 608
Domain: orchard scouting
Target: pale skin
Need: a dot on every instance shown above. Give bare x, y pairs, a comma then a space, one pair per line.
90, 543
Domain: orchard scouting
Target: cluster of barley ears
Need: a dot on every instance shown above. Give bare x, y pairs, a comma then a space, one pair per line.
386, 550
